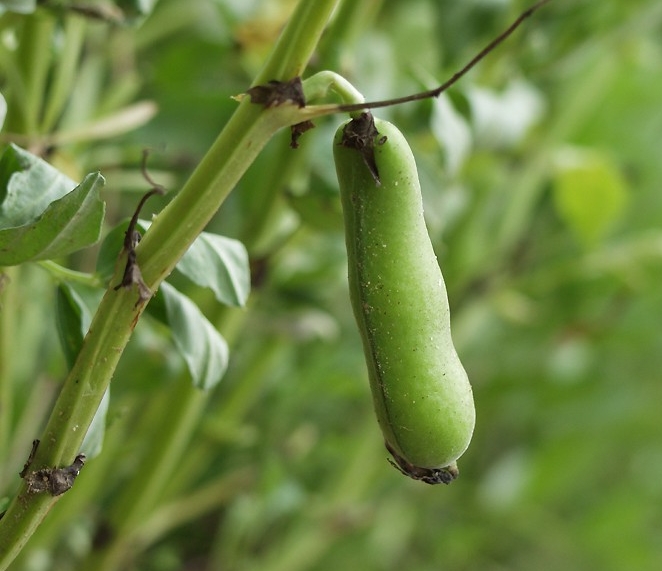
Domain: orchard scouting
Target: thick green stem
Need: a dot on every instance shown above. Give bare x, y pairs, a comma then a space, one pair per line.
175, 228
172, 232
299, 39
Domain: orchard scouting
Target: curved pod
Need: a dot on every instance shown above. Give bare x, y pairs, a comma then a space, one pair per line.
421, 392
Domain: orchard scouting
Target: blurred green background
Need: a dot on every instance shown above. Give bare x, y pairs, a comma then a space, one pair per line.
541, 174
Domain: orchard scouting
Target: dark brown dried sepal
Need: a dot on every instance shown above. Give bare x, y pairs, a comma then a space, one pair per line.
432, 476
361, 135
298, 130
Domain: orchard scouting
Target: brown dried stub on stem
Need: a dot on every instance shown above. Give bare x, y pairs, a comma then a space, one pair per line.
276, 93
54, 481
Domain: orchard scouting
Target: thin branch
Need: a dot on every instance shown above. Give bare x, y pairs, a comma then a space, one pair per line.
456, 76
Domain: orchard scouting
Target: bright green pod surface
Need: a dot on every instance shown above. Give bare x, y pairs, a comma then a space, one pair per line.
421, 392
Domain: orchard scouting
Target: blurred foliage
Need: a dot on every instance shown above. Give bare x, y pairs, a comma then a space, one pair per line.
541, 180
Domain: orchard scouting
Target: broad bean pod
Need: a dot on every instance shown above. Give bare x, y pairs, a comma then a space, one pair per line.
421, 393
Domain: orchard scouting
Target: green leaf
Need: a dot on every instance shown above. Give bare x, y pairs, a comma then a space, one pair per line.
73, 320
589, 193
202, 347
220, 264
40, 216
28, 185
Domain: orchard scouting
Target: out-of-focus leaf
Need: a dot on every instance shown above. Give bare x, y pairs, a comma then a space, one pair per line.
20, 6
40, 216
3, 110
589, 193
93, 441
220, 264
502, 119
136, 10
110, 248
73, 321
451, 131
319, 210
202, 347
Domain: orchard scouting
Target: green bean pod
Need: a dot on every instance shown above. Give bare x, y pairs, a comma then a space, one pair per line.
421, 392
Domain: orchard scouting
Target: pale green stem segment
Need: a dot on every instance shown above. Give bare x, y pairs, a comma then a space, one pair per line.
61, 273
170, 235
318, 86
